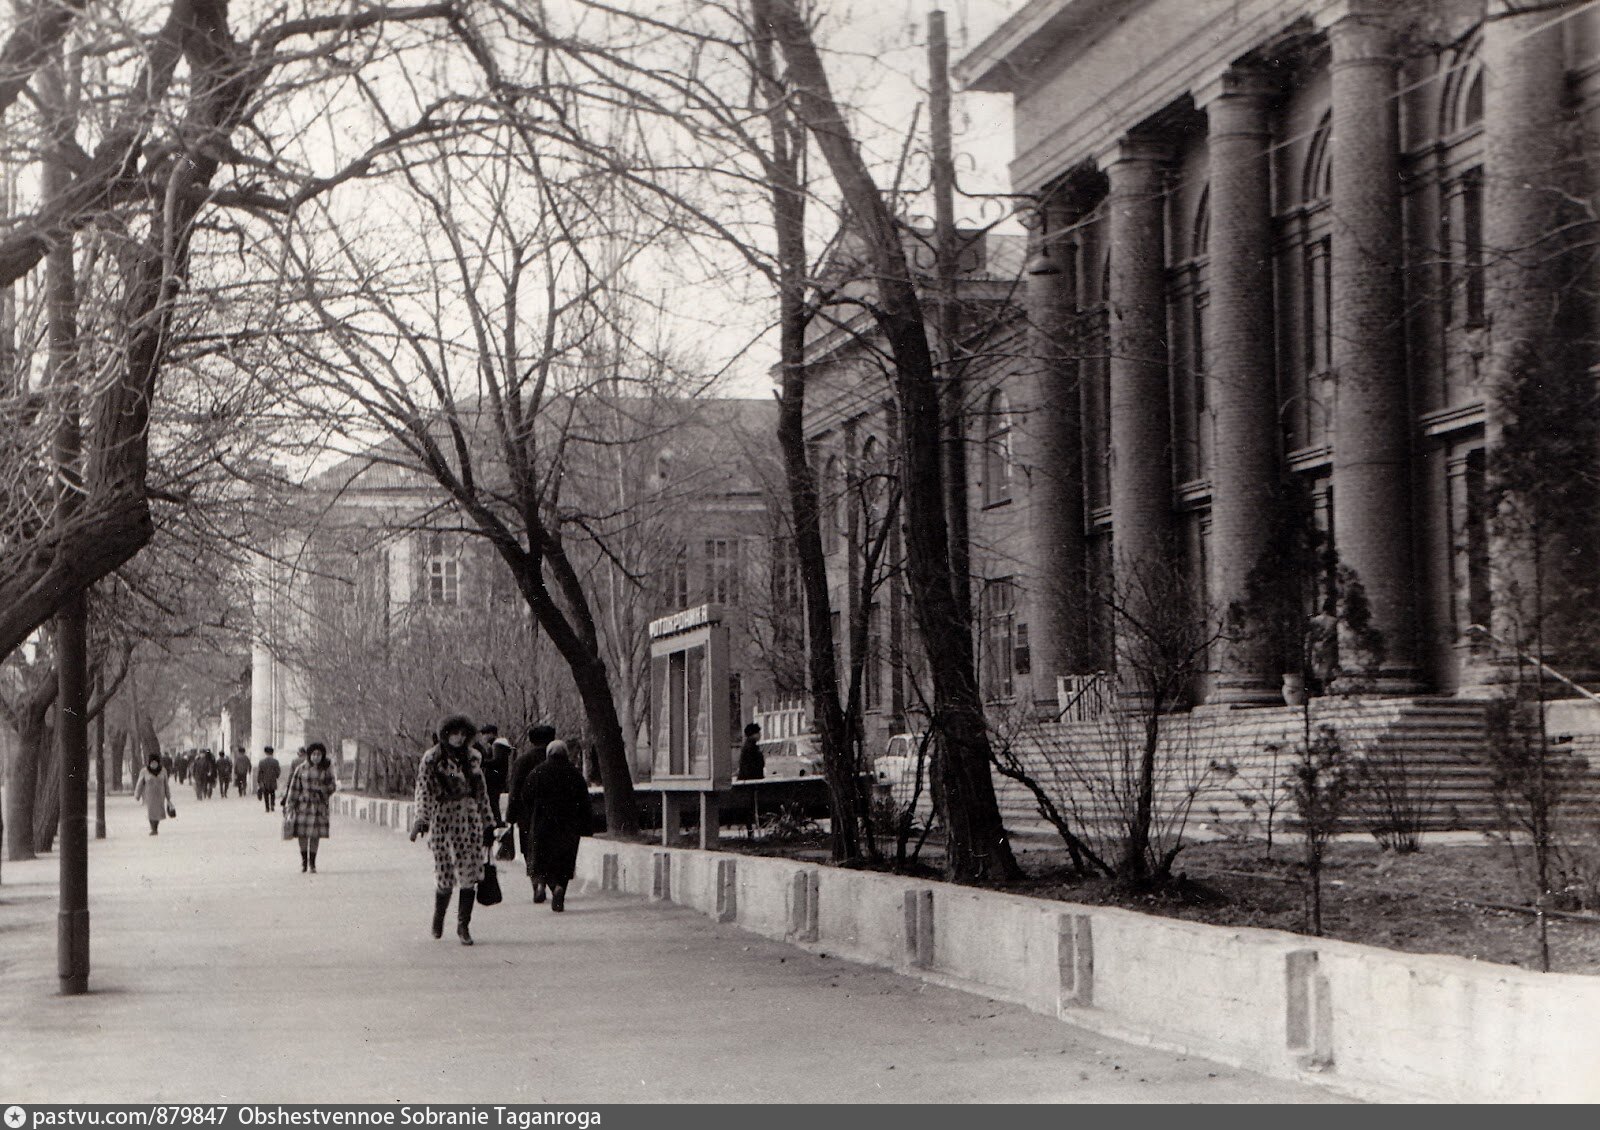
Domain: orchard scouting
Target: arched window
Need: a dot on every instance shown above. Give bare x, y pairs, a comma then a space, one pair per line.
1317, 264
828, 504
1461, 203
1316, 184
873, 485
996, 449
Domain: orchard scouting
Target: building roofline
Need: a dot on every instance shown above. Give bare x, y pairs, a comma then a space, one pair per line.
1003, 61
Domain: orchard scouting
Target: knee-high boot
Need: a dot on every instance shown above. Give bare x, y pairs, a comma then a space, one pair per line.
464, 914
441, 903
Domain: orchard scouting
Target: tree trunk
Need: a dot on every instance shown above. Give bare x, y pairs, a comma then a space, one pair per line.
977, 844
788, 211
31, 720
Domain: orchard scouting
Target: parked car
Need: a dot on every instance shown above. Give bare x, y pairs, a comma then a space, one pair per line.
798, 756
895, 772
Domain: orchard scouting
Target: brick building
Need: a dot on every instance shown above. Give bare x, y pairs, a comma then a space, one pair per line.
1327, 251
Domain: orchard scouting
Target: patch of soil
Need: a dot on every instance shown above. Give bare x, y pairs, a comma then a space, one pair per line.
1445, 899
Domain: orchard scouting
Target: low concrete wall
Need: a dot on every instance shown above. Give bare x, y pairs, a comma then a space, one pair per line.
1368, 1022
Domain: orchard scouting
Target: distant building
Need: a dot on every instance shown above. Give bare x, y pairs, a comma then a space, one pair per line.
381, 608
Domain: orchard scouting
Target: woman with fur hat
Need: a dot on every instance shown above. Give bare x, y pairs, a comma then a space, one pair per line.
305, 803
453, 812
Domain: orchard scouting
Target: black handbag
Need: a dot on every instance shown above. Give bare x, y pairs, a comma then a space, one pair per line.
489, 886
507, 849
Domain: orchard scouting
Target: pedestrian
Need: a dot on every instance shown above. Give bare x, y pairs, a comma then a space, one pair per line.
224, 772
181, 763
203, 770
752, 764
241, 769
154, 787
497, 756
453, 812
305, 802
518, 808
559, 817
267, 778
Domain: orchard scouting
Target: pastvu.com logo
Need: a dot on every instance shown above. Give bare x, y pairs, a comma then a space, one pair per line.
15, 1117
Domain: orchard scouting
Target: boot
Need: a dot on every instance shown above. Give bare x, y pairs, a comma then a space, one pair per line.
464, 914
538, 891
305, 860
558, 898
441, 903
313, 861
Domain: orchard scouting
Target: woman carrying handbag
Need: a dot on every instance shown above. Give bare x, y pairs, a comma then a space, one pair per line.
452, 801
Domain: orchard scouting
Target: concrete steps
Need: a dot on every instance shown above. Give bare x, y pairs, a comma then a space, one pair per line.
1220, 763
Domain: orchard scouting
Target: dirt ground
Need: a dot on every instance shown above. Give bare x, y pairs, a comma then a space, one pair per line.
1452, 897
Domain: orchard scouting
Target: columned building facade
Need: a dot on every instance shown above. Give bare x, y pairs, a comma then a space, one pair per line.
1310, 300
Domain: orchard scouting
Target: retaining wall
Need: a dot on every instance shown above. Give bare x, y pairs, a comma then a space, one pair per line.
1369, 1022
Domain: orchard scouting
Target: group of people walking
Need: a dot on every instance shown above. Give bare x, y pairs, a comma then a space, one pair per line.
458, 810
460, 780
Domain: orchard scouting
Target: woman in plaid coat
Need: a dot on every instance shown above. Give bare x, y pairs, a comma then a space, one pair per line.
453, 812
305, 802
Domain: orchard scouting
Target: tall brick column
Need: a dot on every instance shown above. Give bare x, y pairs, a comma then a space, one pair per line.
1241, 384
1525, 81
1050, 430
1141, 458
1372, 416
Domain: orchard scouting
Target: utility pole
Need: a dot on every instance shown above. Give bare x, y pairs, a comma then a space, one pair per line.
72, 702
946, 251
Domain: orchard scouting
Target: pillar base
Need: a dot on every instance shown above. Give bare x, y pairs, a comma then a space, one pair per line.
1244, 690
1385, 682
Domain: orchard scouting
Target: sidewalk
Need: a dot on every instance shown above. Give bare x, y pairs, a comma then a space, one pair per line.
222, 974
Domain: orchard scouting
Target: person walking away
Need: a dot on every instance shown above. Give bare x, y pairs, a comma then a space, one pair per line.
518, 809
224, 772
154, 787
752, 764
305, 802
202, 770
453, 812
267, 779
559, 817
241, 770
497, 756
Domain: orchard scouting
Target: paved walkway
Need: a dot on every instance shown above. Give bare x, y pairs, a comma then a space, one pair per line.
222, 974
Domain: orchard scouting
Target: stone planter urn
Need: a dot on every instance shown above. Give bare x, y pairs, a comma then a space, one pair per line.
1294, 690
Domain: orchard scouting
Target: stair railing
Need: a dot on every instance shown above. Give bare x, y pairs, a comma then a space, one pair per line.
1480, 630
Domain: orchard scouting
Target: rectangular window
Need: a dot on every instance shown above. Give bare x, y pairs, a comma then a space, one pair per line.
1472, 246
442, 572
998, 613
872, 662
678, 579
722, 571
1319, 306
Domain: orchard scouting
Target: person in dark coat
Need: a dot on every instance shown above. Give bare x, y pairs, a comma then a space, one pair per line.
204, 770
752, 765
518, 809
267, 779
154, 787
559, 818
497, 754
453, 812
241, 770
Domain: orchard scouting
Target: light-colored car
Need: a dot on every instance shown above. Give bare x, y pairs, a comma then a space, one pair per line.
798, 756
896, 771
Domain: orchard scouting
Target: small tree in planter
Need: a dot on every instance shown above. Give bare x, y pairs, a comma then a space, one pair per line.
1320, 784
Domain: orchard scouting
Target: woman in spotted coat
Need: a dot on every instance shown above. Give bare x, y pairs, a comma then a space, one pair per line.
305, 802
453, 812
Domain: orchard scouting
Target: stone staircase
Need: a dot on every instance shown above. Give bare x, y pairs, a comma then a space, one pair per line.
1431, 747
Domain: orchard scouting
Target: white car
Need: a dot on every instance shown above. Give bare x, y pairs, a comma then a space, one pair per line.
896, 771
791, 757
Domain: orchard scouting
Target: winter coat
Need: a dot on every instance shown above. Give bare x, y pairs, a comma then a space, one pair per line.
453, 801
156, 792
518, 809
267, 774
559, 815
752, 763
305, 799
241, 769
497, 765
